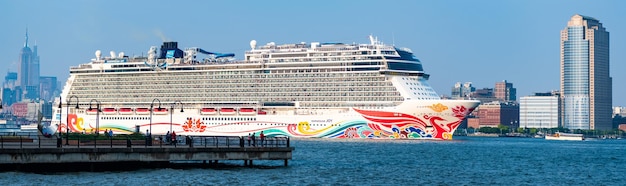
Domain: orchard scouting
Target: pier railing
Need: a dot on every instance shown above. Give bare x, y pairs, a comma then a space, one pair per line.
123, 141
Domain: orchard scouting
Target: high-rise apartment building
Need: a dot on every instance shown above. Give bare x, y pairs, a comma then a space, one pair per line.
585, 81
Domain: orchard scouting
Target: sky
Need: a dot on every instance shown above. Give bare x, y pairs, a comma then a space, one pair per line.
478, 41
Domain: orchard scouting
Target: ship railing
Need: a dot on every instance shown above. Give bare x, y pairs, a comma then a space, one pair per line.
138, 141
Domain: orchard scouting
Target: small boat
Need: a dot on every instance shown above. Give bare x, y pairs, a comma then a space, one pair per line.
208, 111
262, 112
126, 111
142, 111
227, 111
565, 136
246, 111
159, 111
109, 111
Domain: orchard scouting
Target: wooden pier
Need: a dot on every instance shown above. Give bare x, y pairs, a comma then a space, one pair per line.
24, 152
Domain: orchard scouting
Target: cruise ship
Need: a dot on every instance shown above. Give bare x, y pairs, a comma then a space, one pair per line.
310, 90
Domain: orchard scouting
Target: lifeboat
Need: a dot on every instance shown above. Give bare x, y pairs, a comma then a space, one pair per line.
261, 112
227, 111
142, 111
246, 111
109, 110
91, 111
126, 111
159, 111
208, 111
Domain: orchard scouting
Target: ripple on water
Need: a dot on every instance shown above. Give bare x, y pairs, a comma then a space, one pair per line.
464, 161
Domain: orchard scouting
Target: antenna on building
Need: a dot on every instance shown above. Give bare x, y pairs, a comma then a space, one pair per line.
26, 43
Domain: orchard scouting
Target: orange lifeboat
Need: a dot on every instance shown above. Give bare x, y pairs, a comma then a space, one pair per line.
246, 111
227, 111
208, 111
159, 111
91, 111
109, 111
126, 110
142, 111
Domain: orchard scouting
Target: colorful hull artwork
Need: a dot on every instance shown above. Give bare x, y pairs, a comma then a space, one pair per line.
437, 121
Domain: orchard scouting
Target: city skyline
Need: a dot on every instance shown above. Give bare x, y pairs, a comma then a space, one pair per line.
485, 44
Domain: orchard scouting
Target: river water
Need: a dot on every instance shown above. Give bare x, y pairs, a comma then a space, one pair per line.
463, 161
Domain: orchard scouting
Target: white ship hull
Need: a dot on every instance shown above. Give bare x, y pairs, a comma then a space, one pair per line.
436, 119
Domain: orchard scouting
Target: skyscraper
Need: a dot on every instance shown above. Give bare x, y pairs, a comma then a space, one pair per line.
28, 78
585, 82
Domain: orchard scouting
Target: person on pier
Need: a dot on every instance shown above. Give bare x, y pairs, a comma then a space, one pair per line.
168, 137
174, 137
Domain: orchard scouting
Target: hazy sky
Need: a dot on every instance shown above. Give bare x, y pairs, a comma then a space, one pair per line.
483, 42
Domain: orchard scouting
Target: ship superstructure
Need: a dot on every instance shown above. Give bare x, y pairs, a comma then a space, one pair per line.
302, 90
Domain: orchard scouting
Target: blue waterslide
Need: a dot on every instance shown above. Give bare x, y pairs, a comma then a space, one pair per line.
217, 55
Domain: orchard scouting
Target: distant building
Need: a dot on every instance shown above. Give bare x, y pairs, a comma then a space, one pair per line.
9, 95
619, 111
47, 88
586, 85
46, 109
462, 91
28, 74
485, 95
497, 113
473, 123
539, 111
504, 91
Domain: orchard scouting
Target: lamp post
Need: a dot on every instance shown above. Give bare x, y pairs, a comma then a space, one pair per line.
60, 115
151, 110
172, 111
97, 115
67, 127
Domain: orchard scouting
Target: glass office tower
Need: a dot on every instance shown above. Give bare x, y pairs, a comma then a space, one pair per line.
586, 89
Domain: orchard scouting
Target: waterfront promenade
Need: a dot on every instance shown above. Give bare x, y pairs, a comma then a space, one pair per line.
28, 152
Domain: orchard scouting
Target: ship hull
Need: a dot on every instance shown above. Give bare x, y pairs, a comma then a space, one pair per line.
436, 119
